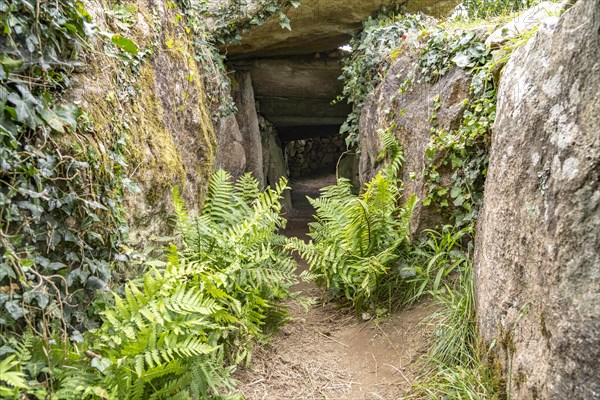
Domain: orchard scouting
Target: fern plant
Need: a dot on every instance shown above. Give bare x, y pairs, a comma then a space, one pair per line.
179, 330
153, 335
236, 239
357, 239
11, 377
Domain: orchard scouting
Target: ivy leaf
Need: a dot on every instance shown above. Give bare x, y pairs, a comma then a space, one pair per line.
101, 364
284, 22
5, 349
41, 298
5, 271
36, 211
10, 64
462, 60
24, 112
95, 205
455, 192
34, 195
467, 37
68, 114
125, 44
77, 275
52, 119
55, 266
459, 201
77, 337
15, 310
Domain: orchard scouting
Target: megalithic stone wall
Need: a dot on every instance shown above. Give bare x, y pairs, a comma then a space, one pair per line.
537, 258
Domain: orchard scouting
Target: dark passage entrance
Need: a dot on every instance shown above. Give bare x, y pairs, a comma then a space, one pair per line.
295, 94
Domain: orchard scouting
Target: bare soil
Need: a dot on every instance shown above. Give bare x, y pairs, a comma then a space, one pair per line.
329, 352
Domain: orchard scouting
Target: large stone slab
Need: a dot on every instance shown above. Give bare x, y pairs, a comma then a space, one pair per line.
410, 112
537, 258
231, 153
171, 139
298, 91
321, 25
247, 120
274, 166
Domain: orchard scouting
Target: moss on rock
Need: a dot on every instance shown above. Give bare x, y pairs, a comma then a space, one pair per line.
157, 105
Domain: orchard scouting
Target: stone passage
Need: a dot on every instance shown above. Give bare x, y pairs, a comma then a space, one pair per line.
309, 156
288, 79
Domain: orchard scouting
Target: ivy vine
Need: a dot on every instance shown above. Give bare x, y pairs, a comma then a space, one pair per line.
371, 53
62, 223
463, 152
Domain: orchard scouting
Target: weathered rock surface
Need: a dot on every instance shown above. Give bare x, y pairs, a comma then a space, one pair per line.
275, 166
298, 91
247, 119
537, 258
319, 154
231, 154
321, 25
410, 113
170, 137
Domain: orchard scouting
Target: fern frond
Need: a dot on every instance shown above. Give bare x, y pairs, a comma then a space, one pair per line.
190, 300
247, 188
175, 388
219, 203
181, 213
355, 238
11, 374
77, 383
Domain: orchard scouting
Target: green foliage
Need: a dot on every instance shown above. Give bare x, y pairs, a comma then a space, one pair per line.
357, 239
464, 151
62, 225
432, 260
179, 330
63, 234
233, 19
175, 330
151, 336
455, 337
11, 378
34, 360
458, 370
446, 49
236, 237
125, 44
371, 53
440, 265
490, 8
461, 383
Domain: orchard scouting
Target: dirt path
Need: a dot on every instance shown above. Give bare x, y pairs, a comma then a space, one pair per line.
328, 353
